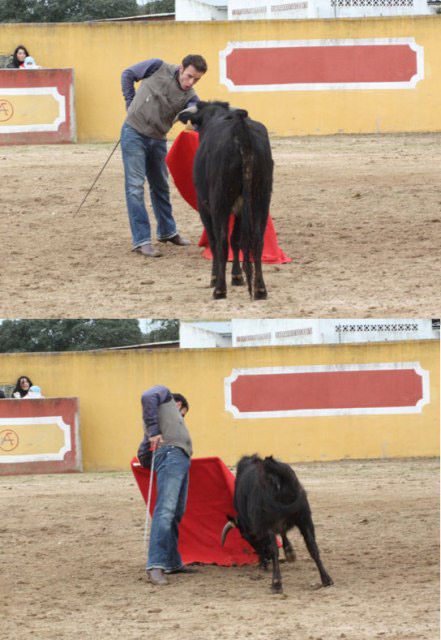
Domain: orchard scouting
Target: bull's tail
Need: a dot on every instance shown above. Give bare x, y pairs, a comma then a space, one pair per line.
247, 224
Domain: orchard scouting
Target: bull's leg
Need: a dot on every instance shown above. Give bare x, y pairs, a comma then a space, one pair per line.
236, 272
260, 292
307, 531
221, 233
208, 226
290, 554
276, 585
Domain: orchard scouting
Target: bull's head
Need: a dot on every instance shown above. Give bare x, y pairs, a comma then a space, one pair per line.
204, 111
260, 545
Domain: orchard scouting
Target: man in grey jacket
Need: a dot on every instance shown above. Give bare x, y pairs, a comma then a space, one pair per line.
165, 90
166, 432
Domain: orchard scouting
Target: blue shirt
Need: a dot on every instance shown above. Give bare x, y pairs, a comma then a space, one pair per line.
150, 401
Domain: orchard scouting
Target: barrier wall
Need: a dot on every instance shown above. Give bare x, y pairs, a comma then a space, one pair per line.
37, 106
39, 436
299, 77
315, 402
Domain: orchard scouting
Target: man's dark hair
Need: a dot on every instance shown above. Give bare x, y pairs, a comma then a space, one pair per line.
197, 61
178, 397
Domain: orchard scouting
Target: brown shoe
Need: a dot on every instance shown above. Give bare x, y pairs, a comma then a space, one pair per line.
148, 250
177, 239
157, 577
186, 568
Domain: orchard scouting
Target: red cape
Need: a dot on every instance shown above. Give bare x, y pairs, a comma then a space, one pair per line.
180, 163
210, 498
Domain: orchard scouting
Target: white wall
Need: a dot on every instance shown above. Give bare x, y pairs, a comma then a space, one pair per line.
192, 336
278, 10
329, 331
292, 331
187, 10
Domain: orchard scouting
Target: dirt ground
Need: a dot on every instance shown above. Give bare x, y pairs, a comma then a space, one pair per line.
72, 563
360, 216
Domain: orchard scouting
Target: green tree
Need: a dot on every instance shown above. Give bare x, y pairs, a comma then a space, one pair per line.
65, 10
157, 6
67, 335
162, 331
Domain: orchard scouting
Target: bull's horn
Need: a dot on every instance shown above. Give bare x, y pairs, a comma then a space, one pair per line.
225, 530
192, 109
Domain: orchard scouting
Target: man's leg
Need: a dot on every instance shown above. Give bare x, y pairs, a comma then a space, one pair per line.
175, 557
157, 176
133, 147
171, 468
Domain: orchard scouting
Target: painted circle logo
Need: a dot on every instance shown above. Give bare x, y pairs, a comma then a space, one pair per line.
6, 110
8, 440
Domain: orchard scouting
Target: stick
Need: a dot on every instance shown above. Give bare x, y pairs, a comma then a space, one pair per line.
149, 496
96, 179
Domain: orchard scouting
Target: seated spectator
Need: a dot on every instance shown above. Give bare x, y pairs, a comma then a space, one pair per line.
2, 394
34, 392
21, 59
22, 387
30, 63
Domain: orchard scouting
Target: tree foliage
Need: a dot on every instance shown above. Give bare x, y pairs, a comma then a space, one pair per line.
163, 331
65, 10
67, 335
81, 335
158, 6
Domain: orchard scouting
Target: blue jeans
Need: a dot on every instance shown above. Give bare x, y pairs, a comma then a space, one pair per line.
143, 158
171, 466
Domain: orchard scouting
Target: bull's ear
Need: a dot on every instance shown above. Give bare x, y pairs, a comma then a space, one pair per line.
243, 113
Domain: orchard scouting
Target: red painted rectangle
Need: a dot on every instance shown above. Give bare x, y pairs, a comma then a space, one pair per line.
326, 390
331, 64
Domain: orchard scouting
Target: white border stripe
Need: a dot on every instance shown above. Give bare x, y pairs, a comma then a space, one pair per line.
324, 86
384, 366
38, 457
30, 128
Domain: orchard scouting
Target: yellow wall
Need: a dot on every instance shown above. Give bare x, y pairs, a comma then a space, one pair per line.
99, 52
109, 385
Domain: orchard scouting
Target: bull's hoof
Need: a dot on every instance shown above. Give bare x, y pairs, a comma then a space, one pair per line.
260, 294
328, 581
237, 281
218, 294
290, 555
276, 587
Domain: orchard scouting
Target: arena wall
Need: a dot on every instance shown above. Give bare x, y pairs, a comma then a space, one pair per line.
109, 385
328, 88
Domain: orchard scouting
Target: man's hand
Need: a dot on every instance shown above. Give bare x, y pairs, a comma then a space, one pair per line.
155, 442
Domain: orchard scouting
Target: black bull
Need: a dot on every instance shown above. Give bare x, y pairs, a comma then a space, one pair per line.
270, 500
232, 172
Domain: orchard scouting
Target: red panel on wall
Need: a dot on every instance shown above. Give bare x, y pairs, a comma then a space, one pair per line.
327, 390
39, 436
37, 106
321, 64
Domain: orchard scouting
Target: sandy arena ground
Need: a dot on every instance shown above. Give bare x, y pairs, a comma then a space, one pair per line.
359, 215
72, 563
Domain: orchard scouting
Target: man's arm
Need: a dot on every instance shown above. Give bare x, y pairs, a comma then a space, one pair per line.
135, 73
150, 401
193, 101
